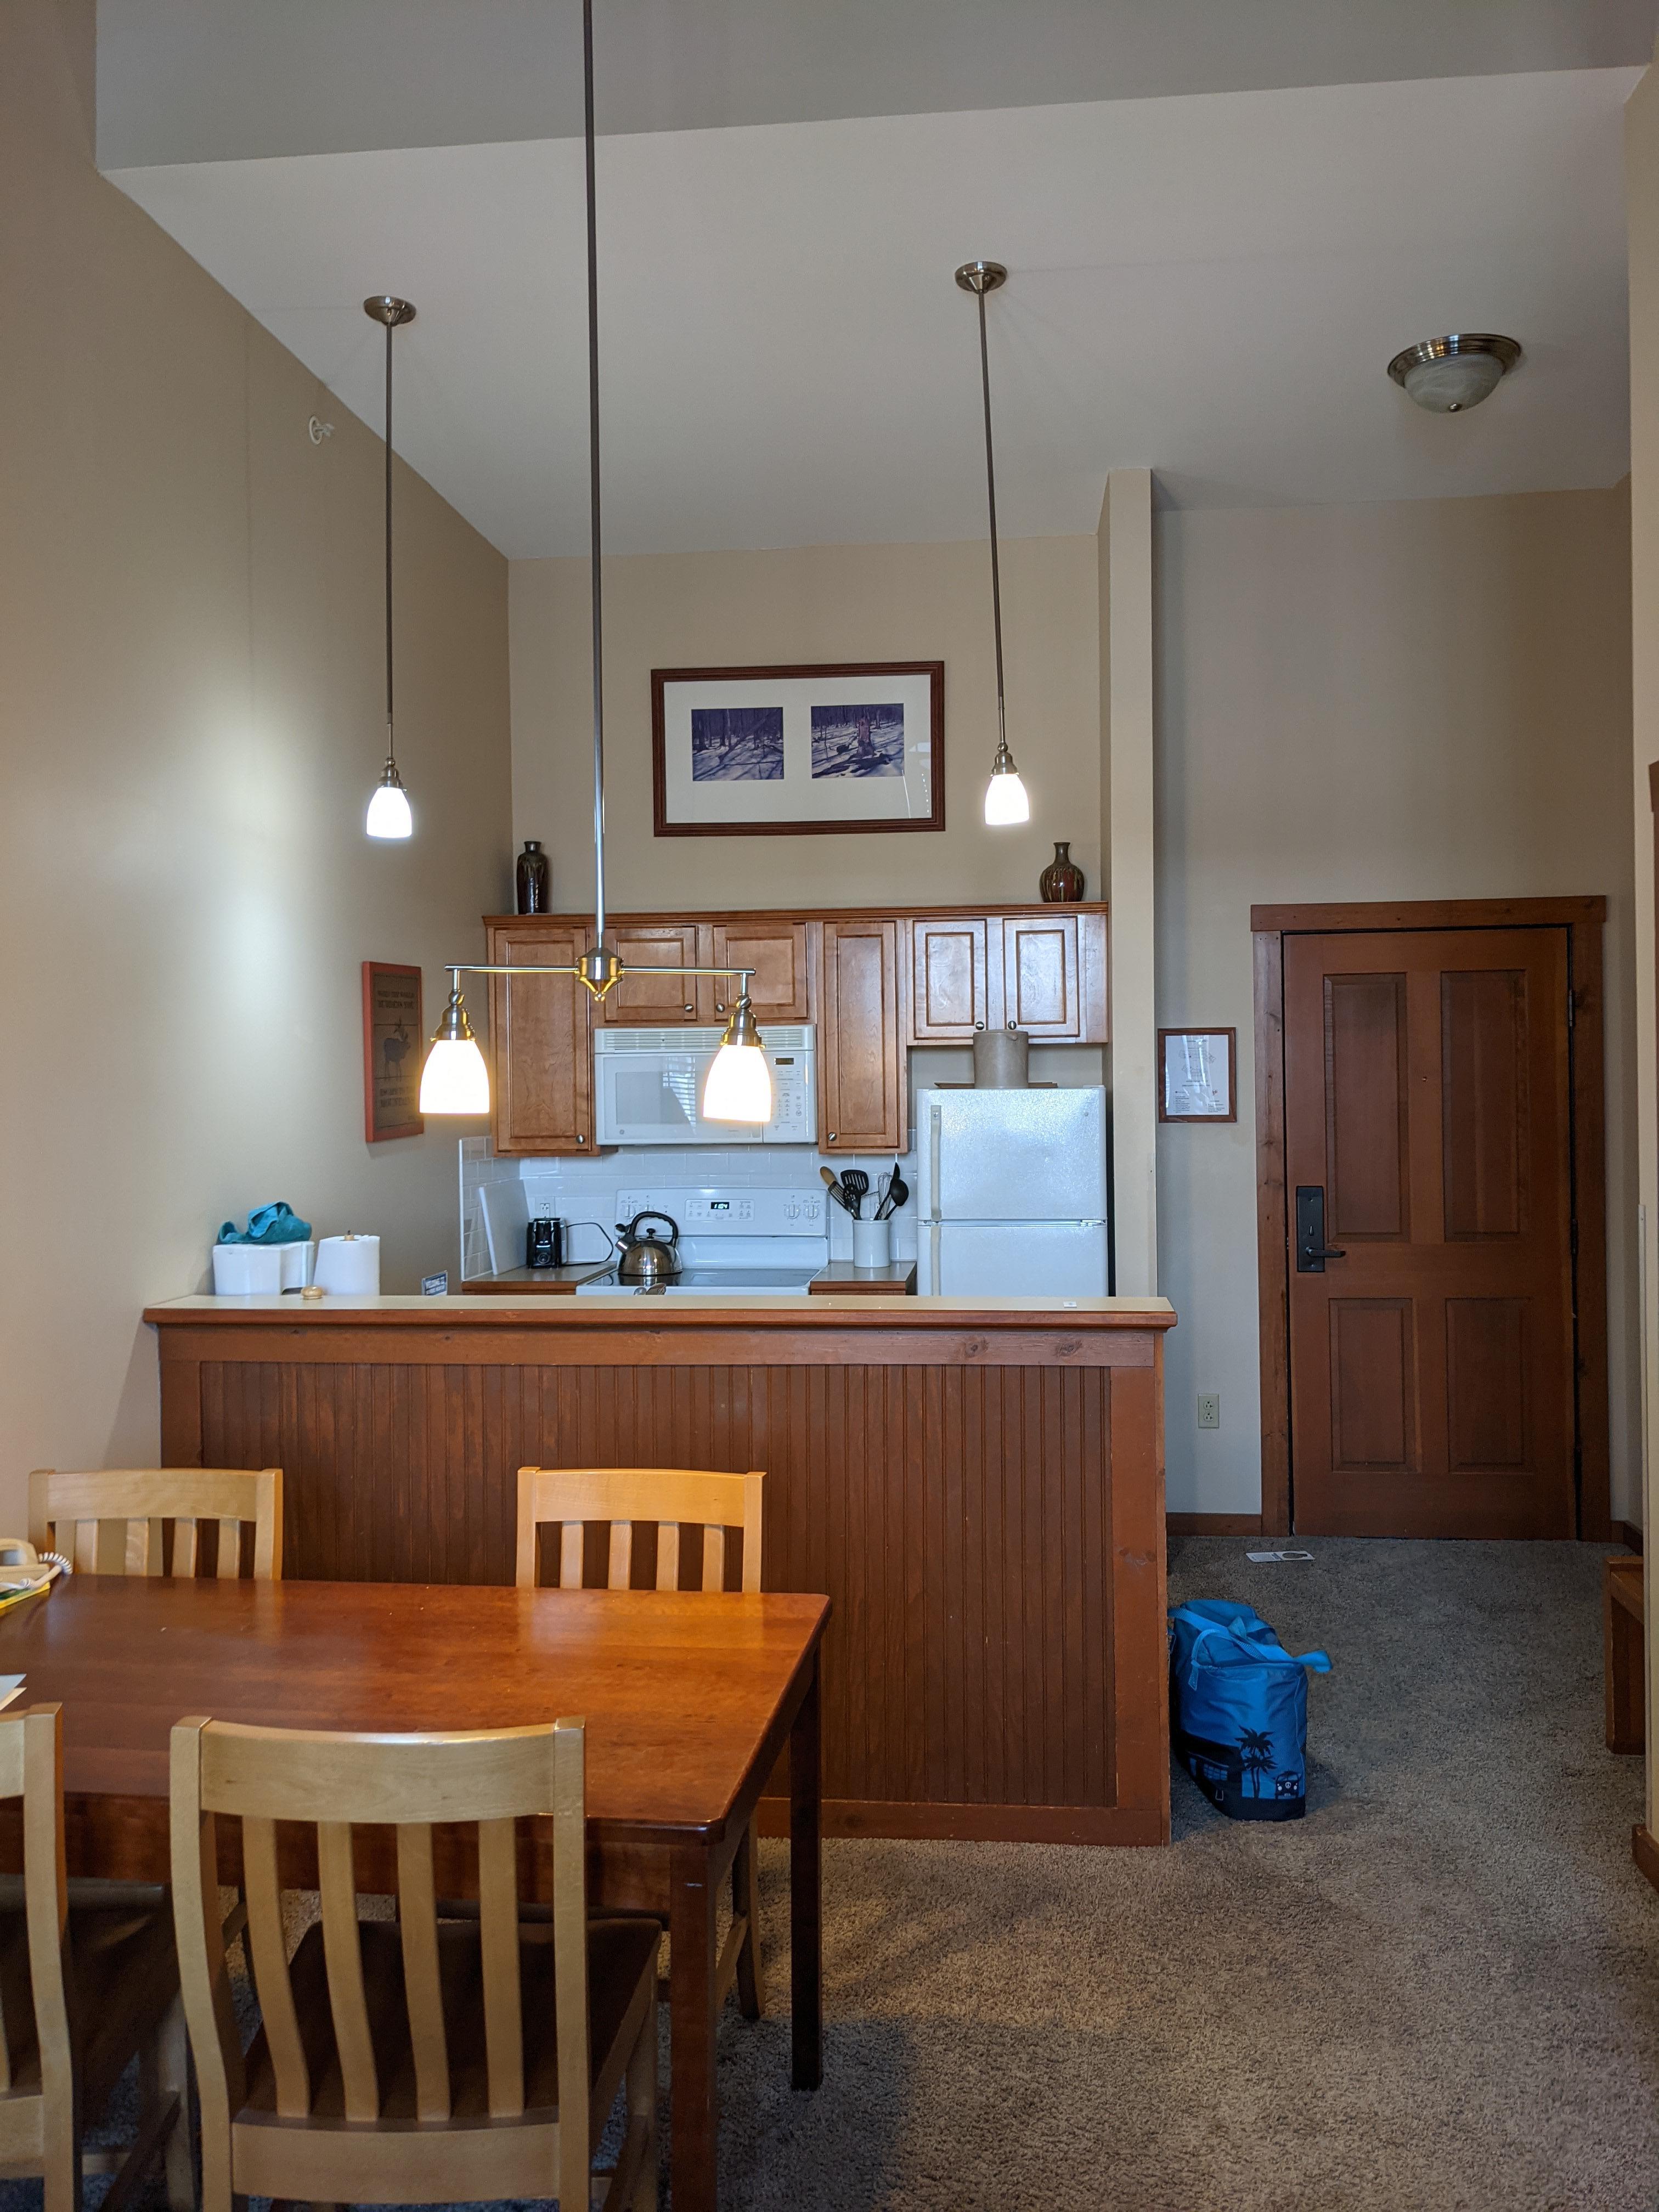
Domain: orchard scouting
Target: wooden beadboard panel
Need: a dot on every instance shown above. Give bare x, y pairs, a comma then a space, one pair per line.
961, 1519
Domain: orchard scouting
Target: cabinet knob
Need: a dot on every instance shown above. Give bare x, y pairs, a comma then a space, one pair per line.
719, 1007
581, 1140
832, 1136
690, 1009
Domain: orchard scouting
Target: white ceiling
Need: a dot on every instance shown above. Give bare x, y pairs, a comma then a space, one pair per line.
211, 80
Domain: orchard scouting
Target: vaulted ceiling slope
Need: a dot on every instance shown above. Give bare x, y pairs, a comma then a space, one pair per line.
224, 80
1208, 282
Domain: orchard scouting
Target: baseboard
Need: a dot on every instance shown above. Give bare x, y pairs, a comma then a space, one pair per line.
1645, 1852
1629, 1533
1212, 1524
978, 1824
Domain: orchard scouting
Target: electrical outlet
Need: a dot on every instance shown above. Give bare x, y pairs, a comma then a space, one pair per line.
1209, 1409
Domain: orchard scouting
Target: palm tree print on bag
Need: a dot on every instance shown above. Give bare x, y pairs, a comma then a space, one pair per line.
1256, 1757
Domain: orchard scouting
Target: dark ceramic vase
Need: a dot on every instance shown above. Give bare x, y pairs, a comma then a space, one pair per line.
531, 873
1061, 881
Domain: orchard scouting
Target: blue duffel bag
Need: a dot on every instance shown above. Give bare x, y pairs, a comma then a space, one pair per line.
1238, 1708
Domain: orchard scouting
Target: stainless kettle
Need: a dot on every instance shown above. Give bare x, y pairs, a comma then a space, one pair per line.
646, 1258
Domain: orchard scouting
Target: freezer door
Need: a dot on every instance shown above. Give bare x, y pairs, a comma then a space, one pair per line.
1012, 1155
988, 1259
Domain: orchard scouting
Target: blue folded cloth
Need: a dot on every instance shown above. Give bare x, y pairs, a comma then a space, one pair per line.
268, 1225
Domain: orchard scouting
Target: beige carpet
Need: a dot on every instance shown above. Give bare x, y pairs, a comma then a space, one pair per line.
1437, 1993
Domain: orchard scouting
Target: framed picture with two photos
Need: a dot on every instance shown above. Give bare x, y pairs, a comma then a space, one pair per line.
784, 752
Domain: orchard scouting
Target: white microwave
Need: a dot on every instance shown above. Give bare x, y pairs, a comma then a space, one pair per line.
648, 1084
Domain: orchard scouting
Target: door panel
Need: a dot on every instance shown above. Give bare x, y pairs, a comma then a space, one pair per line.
543, 1088
860, 1067
948, 998
779, 990
656, 1001
1040, 979
1426, 1087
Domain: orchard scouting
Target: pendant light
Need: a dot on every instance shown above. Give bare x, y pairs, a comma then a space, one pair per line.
1004, 795
455, 1079
388, 810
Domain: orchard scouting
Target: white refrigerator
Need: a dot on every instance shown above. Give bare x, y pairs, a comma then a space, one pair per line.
1013, 1193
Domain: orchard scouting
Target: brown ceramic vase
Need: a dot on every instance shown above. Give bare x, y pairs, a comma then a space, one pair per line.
1061, 881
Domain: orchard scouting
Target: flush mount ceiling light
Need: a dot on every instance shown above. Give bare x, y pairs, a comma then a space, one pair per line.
455, 1079
1004, 795
388, 810
1451, 374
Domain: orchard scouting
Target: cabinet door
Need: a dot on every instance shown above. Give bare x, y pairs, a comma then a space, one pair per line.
1040, 979
776, 951
948, 979
544, 1054
656, 1001
860, 1059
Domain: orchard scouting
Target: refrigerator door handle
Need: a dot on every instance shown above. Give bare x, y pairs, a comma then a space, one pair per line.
935, 1118
933, 1232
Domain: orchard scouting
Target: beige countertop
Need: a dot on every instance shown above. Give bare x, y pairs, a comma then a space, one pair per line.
460, 1308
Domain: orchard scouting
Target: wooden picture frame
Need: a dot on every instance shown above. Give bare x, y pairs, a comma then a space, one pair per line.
1166, 1093
786, 753
394, 1045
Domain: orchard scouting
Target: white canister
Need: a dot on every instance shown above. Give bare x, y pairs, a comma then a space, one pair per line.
350, 1267
873, 1244
244, 1271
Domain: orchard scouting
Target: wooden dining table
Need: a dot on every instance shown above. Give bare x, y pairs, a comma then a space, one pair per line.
691, 1700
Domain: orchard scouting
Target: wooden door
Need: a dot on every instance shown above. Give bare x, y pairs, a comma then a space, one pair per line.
544, 1099
656, 1001
860, 1062
1041, 984
948, 979
1426, 1090
779, 989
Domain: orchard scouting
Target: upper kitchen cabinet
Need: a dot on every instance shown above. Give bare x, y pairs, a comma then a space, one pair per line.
1042, 984
781, 988
543, 1088
655, 1002
949, 978
861, 1023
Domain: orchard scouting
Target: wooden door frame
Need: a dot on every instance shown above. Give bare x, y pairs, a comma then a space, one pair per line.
1584, 920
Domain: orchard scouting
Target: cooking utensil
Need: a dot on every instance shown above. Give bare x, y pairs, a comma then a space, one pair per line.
832, 1184
856, 1184
894, 1194
646, 1257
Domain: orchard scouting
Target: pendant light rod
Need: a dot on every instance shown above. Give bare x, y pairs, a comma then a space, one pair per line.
980, 278
392, 314
593, 475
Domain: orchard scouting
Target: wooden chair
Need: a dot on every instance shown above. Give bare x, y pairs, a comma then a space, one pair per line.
1622, 1616
113, 1523
674, 1499
81, 1993
419, 2061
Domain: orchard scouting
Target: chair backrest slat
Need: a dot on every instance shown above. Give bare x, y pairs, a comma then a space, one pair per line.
418, 1916
344, 1951
619, 1498
570, 1996
111, 1520
30, 1767
498, 1919
271, 1980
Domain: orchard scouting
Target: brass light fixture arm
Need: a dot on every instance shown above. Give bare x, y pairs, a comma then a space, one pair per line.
456, 968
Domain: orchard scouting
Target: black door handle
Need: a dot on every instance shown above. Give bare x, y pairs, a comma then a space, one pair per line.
1311, 1249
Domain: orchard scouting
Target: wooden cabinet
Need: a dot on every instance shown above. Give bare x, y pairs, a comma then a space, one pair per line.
1042, 980
874, 984
948, 987
860, 1063
543, 1086
654, 1002
781, 988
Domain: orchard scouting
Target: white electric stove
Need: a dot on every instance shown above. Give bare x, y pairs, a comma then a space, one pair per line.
733, 1241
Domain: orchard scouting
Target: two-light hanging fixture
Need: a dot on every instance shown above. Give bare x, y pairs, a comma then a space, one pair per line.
455, 1079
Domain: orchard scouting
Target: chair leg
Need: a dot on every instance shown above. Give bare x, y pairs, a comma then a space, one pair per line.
173, 2066
642, 2106
61, 2165
745, 1899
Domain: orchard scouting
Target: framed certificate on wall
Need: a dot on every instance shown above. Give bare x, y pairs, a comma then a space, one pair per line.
394, 1045
1197, 1078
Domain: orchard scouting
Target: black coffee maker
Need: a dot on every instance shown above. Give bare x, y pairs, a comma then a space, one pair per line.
544, 1242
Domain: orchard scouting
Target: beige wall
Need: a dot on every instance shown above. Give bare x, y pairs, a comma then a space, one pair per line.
811, 603
190, 724
1421, 700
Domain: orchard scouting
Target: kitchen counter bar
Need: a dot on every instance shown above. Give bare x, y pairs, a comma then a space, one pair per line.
977, 1484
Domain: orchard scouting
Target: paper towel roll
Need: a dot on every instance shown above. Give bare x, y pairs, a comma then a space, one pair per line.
242, 1271
350, 1267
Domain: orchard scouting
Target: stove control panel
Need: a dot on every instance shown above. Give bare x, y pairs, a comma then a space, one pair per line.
715, 1212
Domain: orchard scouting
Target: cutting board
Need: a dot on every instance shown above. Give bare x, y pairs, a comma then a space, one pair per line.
506, 1209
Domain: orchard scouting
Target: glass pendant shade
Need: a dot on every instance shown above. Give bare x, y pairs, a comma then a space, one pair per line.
455, 1079
1005, 798
740, 1085
388, 810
